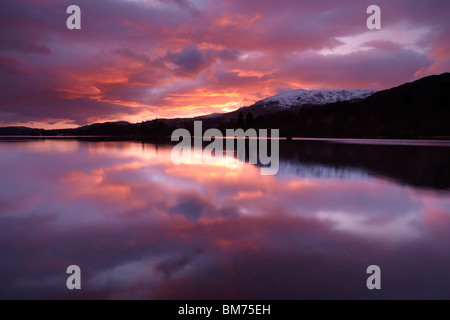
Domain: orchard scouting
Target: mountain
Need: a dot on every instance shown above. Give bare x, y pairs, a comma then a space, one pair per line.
301, 97
420, 109
20, 131
296, 99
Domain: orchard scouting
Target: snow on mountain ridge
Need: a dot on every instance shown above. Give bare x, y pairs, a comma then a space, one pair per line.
317, 97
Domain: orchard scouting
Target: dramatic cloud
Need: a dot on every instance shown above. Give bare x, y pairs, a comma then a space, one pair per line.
137, 60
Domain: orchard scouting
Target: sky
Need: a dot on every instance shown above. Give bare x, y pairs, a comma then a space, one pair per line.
137, 60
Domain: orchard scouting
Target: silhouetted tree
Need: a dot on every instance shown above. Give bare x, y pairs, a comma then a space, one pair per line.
249, 123
240, 122
159, 128
142, 129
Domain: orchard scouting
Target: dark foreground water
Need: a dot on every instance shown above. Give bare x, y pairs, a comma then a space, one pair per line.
140, 227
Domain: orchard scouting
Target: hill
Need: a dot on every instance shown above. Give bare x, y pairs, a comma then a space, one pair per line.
420, 109
301, 97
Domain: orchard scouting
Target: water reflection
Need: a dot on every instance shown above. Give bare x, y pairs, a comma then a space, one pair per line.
142, 228
423, 164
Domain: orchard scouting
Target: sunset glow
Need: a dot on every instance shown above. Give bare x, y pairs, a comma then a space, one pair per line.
140, 60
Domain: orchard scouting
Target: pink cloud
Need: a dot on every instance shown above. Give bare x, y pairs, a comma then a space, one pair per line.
140, 57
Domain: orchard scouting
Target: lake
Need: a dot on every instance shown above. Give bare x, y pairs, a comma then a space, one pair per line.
141, 227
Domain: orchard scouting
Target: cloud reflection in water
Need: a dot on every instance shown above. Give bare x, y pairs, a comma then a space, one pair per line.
140, 227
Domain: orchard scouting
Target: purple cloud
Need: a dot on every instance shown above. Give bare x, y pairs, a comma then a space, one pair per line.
132, 60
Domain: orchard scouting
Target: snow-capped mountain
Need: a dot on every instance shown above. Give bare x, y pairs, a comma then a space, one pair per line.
315, 97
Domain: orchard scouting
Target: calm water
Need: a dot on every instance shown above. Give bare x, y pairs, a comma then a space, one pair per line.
141, 227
